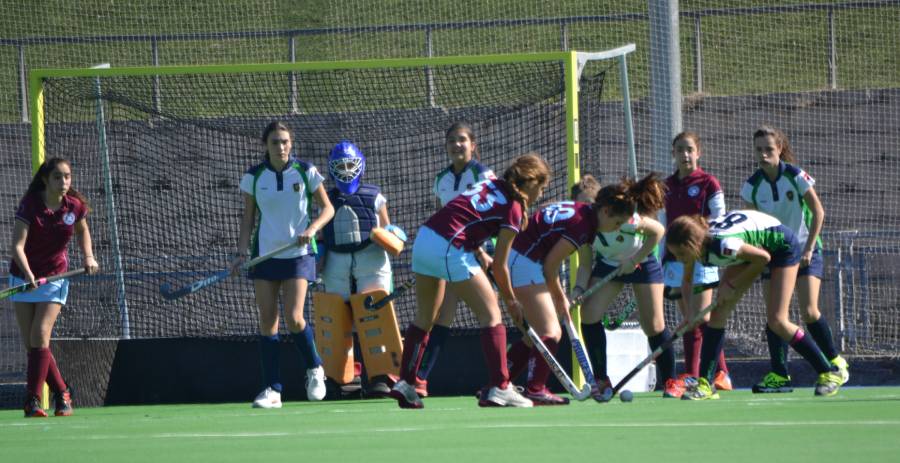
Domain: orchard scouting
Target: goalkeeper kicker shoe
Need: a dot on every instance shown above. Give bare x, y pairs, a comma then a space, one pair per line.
701, 390
828, 383
315, 384
773, 382
406, 396
843, 368
268, 398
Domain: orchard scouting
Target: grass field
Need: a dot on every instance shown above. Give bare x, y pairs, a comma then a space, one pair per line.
857, 425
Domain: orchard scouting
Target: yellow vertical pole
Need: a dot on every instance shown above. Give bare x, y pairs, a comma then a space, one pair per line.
573, 174
36, 91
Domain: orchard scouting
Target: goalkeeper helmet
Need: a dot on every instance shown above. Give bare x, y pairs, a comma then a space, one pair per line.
346, 165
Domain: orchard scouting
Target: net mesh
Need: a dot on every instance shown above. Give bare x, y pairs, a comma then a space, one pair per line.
742, 63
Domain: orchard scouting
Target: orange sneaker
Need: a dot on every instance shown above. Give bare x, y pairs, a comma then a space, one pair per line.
421, 386
723, 381
674, 388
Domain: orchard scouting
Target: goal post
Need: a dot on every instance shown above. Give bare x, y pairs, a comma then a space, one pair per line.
173, 156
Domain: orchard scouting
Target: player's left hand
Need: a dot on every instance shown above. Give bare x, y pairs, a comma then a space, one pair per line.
486, 260
307, 236
806, 258
90, 265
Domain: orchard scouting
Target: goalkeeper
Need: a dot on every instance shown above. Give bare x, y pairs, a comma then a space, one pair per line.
355, 266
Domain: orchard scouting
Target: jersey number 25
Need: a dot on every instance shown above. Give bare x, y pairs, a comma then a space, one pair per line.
484, 202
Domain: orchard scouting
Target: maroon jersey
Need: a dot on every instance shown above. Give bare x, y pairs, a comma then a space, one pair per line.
477, 214
576, 222
49, 233
690, 195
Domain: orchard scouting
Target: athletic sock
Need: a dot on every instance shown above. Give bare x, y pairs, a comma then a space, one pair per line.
595, 343
517, 359
493, 345
54, 377
537, 381
807, 347
713, 340
414, 344
305, 342
821, 333
269, 354
665, 363
692, 341
722, 365
436, 340
36, 373
778, 353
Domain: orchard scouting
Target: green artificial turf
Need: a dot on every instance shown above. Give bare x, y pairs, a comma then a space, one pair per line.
858, 425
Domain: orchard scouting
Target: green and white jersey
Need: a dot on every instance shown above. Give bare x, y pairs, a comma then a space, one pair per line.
728, 233
614, 247
448, 185
783, 198
284, 201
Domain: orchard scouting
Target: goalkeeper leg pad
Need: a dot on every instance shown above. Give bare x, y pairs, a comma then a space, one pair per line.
334, 336
379, 335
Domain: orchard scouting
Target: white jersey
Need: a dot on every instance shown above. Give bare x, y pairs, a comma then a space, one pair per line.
728, 233
448, 185
782, 198
614, 247
284, 201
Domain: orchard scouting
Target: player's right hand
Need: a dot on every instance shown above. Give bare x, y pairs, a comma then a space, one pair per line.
236, 263
514, 308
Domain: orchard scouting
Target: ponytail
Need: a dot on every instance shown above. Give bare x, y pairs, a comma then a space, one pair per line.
589, 186
649, 193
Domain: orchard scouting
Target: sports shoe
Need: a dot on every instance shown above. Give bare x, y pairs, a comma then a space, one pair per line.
545, 397
33, 408
406, 396
674, 388
379, 386
421, 387
828, 383
773, 382
843, 368
701, 390
268, 398
509, 397
603, 391
62, 402
722, 381
315, 384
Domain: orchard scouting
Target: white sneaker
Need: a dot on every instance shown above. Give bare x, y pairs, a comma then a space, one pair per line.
268, 398
509, 397
315, 384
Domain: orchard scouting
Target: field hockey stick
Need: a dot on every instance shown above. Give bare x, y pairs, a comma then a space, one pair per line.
25, 287
583, 361
659, 350
615, 323
370, 304
557, 369
166, 290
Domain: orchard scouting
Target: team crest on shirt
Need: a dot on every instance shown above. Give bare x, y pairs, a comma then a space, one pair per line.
727, 252
296, 187
693, 191
620, 238
790, 195
69, 218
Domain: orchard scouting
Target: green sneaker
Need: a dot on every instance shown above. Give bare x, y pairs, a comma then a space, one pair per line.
843, 368
828, 383
773, 382
700, 390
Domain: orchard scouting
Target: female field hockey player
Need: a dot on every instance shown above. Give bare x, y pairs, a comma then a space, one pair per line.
444, 258
278, 197
464, 171
745, 242
786, 192
689, 191
553, 233
50, 212
625, 244
355, 263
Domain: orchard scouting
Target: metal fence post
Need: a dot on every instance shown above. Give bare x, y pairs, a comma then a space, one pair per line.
429, 76
292, 76
23, 83
563, 36
157, 97
698, 55
832, 52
